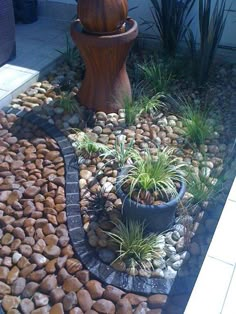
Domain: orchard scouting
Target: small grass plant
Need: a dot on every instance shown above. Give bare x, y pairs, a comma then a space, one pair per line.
97, 204
121, 153
71, 54
85, 145
158, 76
68, 103
132, 111
201, 187
195, 120
134, 247
149, 174
153, 104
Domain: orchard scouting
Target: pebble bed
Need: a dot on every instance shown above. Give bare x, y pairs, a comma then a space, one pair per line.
39, 272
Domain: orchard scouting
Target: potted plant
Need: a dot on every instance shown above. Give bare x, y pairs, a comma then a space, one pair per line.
151, 188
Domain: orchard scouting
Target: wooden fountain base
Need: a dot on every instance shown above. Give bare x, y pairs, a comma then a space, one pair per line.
106, 84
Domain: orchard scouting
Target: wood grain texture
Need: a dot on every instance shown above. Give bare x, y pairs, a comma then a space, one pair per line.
106, 83
102, 16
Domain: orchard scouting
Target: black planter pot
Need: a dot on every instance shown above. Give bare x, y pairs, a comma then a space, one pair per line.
157, 218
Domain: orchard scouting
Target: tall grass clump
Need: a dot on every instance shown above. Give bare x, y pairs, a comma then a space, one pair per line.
171, 19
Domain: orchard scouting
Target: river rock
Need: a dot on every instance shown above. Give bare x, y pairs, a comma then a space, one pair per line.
84, 299
26, 306
9, 302
3, 273
69, 301
113, 294
123, 306
57, 309
72, 284
95, 289
135, 299
157, 300
48, 283
56, 295
104, 307
40, 299
18, 286
4, 289
30, 289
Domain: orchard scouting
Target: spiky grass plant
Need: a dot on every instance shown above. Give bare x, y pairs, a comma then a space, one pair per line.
172, 19
134, 247
85, 145
132, 111
195, 121
121, 152
158, 75
201, 187
71, 54
97, 204
68, 103
149, 174
153, 104
211, 26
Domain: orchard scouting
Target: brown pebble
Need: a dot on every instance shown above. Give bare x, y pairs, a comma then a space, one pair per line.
9, 302
84, 299
95, 289
48, 283
123, 306
57, 309
104, 307
56, 295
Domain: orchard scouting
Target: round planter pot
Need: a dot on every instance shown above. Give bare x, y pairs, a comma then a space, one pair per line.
102, 16
157, 218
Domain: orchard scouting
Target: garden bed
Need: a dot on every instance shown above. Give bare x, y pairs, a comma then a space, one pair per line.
156, 131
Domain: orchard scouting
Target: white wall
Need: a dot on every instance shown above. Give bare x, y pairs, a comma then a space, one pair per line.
143, 12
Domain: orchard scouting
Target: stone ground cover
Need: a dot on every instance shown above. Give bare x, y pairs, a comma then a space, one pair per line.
39, 271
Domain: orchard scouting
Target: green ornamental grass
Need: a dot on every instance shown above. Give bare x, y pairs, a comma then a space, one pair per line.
83, 143
121, 152
68, 103
134, 247
154, 174
158, 76
201, 187
195, 121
